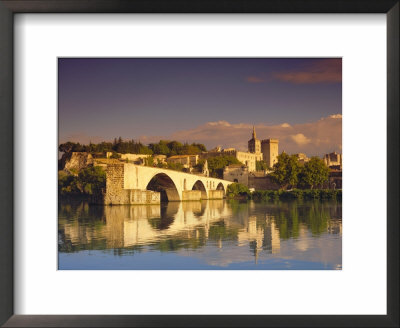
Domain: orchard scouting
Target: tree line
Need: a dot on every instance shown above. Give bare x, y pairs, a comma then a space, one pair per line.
163, 147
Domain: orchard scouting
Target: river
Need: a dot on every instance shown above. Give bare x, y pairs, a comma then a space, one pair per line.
213, 234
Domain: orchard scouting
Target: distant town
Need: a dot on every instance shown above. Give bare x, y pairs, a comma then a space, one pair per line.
260, 168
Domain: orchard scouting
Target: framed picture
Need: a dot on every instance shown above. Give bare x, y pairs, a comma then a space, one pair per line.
168, 168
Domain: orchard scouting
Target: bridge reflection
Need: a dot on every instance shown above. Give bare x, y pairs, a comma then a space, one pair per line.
127, 226
177, 225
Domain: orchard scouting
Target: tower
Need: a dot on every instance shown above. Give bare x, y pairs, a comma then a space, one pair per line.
205, 172
254, 145
269, 149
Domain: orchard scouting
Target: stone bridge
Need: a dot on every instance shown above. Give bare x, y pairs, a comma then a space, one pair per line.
136, 184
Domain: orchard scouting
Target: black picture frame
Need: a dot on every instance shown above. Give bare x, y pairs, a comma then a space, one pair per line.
10, 7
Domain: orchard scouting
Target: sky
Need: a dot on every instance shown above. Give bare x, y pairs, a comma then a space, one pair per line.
215, 101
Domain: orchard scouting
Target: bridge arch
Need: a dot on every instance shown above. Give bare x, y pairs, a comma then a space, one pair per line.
221, 187
162, 183
199, 185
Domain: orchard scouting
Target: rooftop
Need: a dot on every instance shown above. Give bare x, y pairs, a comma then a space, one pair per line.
270, 140
182, 156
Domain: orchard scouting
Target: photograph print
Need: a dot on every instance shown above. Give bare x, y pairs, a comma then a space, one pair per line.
199, 163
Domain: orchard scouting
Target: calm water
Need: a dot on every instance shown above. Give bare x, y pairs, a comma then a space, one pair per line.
215, 234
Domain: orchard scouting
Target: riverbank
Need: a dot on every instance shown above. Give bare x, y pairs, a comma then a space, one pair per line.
265, 195
297, 194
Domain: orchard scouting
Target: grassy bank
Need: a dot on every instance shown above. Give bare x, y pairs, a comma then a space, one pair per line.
239, 191
297, 194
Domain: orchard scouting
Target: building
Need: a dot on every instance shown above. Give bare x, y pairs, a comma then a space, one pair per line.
248, 159
258, 150
302, 158
160, 159
188, 161
335, 179
333, 160
269, 149
134, 158
261, 181
257, 180
237, 173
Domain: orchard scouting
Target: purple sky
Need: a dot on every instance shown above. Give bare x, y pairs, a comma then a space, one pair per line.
146, 99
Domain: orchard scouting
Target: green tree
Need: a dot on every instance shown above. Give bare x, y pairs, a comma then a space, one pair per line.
200, 165
69, 146
175, 148
261, 166
89, 181
66, 147
92, 180
200, 146
313, 173
286, 170
238, 189
216, 165
149, 161
175, 166
130, 146
160, 148
67, 184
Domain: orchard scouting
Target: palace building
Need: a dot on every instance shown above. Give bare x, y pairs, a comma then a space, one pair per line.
258, 150
268, 148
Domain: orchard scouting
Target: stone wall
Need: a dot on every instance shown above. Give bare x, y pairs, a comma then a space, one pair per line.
144, 196
236, 173
215, 194
191, 195
262, 183
115, 193
335, 180
134, 157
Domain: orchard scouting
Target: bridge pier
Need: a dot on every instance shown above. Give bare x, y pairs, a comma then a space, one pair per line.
133, 197
191, 195
216, 194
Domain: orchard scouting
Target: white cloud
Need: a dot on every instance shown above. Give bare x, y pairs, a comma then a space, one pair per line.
224, 123
300, 139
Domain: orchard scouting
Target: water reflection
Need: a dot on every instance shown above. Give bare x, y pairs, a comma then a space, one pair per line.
216, 232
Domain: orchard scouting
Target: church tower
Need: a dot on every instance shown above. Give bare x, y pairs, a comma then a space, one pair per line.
254, 145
